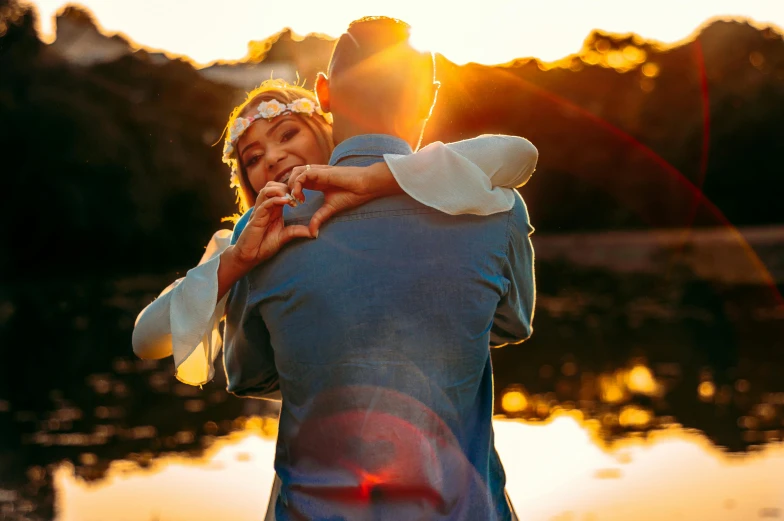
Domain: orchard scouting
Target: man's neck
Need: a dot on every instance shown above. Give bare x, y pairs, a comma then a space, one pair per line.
341, 133
364, 149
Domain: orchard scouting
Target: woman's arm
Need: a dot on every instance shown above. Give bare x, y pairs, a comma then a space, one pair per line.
184, 320
471, 176
509, 161
474, 176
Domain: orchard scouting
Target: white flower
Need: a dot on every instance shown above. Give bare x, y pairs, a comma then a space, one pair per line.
234, 180
302, 105
237, 128
270, 109
228, 151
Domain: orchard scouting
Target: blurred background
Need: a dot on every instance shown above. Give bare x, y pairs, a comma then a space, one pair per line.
655, 372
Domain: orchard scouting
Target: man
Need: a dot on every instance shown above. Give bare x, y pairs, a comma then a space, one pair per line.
379, 329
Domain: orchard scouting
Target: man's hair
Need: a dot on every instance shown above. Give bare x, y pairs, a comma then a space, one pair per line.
366, 38
378, 46
376, 67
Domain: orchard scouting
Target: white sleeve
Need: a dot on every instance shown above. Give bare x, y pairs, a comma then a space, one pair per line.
184, 320
474, 176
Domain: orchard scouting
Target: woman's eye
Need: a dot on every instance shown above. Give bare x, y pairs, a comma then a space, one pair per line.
289, 134
253, 160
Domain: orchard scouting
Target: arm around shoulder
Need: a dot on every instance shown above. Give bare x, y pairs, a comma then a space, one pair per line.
474, 176
508, 161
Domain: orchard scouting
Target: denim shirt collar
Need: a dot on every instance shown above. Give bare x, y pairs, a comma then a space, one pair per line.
369, 145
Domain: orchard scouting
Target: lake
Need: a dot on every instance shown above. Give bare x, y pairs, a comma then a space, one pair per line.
651, 387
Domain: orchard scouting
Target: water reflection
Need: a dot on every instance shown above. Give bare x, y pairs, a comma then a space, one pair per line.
557, 471
633, 338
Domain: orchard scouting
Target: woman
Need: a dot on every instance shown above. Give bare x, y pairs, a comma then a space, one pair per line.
280, 130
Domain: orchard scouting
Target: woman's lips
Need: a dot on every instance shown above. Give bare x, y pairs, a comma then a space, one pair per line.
284, 175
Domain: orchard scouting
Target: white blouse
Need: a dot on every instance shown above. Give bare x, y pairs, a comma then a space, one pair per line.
474, 176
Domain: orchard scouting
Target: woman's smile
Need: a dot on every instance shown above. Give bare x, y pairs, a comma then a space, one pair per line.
270, 149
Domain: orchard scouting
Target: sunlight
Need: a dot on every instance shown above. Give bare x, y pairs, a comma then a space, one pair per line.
557, 469
498, 32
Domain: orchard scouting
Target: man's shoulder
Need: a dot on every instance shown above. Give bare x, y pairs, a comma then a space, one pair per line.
405, 207
518, 216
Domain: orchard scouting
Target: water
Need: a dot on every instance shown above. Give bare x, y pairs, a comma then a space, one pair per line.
559, 471
642, 335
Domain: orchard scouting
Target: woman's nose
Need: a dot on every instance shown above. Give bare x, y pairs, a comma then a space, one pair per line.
275, 155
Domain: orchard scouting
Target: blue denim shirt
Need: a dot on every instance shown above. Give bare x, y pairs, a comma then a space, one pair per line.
377, 335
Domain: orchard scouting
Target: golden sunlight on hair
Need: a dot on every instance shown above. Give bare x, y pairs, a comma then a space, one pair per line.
284, 92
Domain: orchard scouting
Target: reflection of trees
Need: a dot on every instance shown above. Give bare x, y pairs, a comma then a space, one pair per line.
76, 391
685, 329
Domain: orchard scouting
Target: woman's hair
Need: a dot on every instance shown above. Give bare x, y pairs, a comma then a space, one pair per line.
279, 90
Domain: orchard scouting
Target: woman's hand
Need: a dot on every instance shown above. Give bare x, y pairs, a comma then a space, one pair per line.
344, 187
265, 234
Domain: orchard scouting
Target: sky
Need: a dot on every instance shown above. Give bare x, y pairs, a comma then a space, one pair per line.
487, 31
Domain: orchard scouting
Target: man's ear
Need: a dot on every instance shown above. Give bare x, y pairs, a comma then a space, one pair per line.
322, 91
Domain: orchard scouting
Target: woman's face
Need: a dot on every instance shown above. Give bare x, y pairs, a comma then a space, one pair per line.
270, 148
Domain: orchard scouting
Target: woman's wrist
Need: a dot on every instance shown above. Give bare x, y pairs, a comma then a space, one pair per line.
234, 262
231, 269
382, 181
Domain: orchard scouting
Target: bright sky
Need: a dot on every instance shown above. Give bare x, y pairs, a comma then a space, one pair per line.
488, 31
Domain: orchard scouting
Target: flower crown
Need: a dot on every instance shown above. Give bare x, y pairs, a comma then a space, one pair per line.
266, 110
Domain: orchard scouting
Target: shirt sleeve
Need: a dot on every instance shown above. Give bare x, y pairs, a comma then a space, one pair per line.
248, 357
473, 176
514, 315
184, 320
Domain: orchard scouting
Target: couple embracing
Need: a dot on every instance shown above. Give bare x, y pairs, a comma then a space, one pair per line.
363, 287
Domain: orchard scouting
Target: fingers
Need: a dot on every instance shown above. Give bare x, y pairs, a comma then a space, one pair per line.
305, 174
296, 172
274, 202
320, 217
270, 210
274, 189
313, 179
295, 231
265, 208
